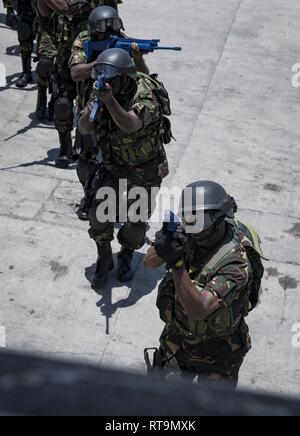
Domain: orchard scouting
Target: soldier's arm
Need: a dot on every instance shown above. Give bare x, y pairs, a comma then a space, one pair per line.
81, 72
85, 126
197, 305
79, 67
43, 8
139, 60
58, 6
152, 260
221, 290
127, 121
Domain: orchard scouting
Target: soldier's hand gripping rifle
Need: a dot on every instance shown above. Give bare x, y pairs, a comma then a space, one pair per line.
144, 45
100, 85
158, 363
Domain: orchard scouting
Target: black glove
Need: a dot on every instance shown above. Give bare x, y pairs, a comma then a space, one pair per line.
171, 247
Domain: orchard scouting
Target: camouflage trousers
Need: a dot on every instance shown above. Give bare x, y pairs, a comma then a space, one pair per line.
64, 88
46, 48
26, 35
216, 359
132, 234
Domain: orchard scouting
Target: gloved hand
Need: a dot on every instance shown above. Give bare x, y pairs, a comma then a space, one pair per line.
171, 247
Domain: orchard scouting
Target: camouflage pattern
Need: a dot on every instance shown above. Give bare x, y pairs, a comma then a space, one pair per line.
46, 29
213, 348
78, 56
139, 157
26, 15
69, 26
131, 235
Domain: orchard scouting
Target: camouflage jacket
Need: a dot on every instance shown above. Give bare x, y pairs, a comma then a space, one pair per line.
46, 28
139, 157
229, 285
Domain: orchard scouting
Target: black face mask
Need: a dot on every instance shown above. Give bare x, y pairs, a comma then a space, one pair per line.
210, 237
103, 36
124, 89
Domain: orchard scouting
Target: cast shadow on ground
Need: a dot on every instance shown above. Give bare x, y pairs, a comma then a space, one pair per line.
137, 292
47, 161
14, 50
3, 21
11, 80
34, 123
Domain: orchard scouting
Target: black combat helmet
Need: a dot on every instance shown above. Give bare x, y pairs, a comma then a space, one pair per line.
104, 19
204, 204
114, 62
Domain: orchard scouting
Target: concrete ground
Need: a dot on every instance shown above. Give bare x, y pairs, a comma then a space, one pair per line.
235, 118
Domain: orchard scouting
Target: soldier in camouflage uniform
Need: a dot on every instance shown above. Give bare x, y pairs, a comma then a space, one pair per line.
25, 28
10, 19
129, 134
73, 19
205, 296
104, 22
47, 49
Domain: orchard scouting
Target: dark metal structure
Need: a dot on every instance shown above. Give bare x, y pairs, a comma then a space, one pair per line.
34, 386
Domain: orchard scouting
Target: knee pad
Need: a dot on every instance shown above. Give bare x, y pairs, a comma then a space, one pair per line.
63, 112
96, 225
101, 237
25, 32
132, 235
44, 67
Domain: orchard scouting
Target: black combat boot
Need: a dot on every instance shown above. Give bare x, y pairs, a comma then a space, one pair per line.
84, 208
26, 76
125, 273
105, 264
65, 153
50, 116
41, 104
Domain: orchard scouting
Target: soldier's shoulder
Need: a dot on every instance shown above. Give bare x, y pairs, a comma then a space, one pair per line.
83, 36
145, 86
236, 255
80, 40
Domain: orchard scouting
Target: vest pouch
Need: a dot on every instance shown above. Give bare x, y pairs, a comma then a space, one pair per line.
132, 151
166, 131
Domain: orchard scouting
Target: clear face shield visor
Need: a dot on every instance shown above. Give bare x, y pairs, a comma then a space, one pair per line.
198, 222
102, 26
110, 71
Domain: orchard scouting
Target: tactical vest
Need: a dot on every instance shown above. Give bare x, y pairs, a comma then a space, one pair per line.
137, 156
229, 318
